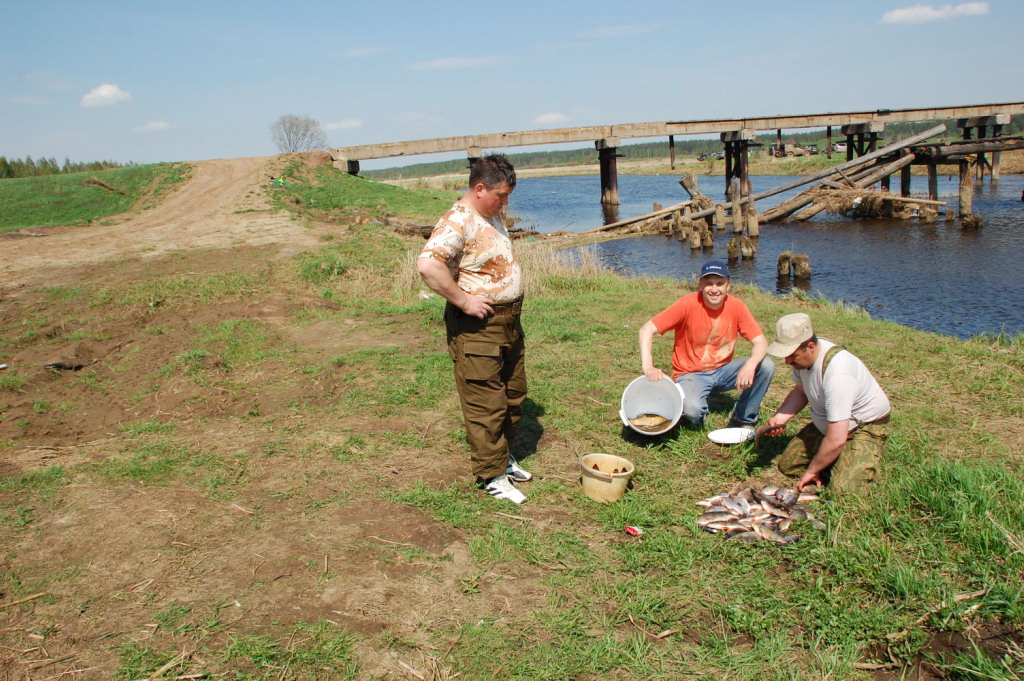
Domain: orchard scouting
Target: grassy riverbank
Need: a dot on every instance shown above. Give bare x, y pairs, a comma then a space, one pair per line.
263, 475
80, 198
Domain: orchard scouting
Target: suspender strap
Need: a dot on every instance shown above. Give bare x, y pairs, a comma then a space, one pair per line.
835, 349
832, 351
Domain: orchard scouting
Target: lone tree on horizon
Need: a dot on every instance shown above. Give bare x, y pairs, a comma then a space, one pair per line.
297, 133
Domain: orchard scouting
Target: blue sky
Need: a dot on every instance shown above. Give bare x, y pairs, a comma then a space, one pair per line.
183, 80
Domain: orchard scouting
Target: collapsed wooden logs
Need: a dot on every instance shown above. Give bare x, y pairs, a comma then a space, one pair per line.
868, 179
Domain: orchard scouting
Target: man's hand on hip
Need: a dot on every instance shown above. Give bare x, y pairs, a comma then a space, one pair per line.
477, 306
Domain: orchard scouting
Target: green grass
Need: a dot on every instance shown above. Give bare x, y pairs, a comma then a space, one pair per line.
330, 191
68, 199
557, 592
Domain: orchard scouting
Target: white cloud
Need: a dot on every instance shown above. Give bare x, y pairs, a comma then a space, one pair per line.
105, 95
31, 100
454, 63
920, 14
343, 125
553, 117
360, 52
617, 31
153, 126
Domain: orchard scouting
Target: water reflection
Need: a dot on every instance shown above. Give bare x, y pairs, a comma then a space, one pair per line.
610, 213
932, 276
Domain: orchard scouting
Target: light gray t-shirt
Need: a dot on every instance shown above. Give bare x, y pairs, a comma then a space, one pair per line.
849, 391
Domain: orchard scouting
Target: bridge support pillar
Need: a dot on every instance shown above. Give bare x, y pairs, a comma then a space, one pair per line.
352, 167
606, 156
862, 138
982, 123
672, 151
737, 161
905, 181
473, 154
997, 131
966, 195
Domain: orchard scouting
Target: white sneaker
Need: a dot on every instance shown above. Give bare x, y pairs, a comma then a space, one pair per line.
502, 488
517, 472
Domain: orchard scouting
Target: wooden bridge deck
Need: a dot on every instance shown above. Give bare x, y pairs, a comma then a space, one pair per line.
473, 144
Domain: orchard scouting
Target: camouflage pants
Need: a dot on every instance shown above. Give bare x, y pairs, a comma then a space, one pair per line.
490, 375
859, 460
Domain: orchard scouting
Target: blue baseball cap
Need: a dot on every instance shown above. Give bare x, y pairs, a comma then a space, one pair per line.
714, 267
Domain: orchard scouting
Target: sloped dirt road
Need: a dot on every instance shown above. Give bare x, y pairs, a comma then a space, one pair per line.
222, 204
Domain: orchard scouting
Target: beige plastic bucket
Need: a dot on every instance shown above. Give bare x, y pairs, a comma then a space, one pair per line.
602, 485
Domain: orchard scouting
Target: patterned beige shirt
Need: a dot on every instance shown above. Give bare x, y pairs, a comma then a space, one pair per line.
478, 253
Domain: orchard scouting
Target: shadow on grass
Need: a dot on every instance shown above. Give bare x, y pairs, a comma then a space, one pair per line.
529, 432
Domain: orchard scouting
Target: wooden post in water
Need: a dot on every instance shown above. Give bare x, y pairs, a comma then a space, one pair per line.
729, 172
745, 167
997, 131
905, 181
737, 208
982, 132
719, 219
606, 149
966, 188
933, 181
672, 151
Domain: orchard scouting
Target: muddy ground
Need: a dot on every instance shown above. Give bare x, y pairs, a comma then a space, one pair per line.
285, 520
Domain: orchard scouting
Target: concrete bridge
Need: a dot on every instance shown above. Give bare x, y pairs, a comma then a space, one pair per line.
860, 127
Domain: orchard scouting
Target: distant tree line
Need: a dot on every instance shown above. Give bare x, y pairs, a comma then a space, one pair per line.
29, 167
660, 150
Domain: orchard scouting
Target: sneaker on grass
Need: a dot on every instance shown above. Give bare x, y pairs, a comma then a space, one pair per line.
516, 472
501, 487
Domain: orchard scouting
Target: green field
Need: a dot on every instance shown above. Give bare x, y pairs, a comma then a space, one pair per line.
81, 198
264, 479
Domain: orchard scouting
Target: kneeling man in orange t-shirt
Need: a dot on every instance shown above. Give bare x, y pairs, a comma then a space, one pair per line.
706, 324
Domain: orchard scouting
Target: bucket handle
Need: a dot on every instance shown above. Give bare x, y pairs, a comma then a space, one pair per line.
594, 470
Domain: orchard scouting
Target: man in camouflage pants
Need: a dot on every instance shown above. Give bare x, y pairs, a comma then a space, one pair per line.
469, 261
849, 411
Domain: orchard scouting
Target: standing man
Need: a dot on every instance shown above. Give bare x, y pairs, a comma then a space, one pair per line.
468, 261
849, 411
706, 324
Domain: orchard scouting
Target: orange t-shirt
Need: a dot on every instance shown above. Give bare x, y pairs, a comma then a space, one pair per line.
705, 339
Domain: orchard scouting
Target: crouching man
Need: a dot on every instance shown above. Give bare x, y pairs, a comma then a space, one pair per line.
849, 411
706, 324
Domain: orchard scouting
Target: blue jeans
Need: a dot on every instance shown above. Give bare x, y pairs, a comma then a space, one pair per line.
697, 387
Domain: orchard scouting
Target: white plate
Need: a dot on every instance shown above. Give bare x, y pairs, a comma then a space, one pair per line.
731, 436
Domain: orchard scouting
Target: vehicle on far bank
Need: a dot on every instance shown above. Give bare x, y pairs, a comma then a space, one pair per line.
839, 146
785, 149
811, 149
705, 155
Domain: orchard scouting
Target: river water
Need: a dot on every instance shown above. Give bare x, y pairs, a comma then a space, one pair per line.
933, 277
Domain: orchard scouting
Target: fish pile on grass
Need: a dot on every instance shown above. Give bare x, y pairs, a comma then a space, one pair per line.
751, 515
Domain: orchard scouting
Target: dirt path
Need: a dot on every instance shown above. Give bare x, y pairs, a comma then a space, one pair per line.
221, 205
